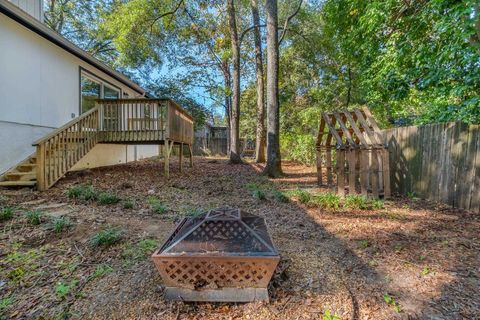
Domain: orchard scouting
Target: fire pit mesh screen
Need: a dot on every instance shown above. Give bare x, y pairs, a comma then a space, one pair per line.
222, 231
220, 255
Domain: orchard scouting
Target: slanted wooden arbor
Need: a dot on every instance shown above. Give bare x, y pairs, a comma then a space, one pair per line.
362, 164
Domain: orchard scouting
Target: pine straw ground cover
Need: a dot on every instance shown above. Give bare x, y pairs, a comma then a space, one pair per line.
88, 257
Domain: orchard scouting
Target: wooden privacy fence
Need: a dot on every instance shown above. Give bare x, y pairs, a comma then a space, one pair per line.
440, 162
203, 146
125, 121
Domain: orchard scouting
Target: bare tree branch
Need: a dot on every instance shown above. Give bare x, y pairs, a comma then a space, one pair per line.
287, 21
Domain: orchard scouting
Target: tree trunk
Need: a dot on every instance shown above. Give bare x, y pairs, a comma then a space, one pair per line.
274, 164
260, 136
228, 100
235, 110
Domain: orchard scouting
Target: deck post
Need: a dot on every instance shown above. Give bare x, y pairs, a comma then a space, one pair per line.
190, 151
180, 156
167, 158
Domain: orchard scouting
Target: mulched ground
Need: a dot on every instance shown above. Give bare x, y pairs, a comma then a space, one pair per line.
424, 257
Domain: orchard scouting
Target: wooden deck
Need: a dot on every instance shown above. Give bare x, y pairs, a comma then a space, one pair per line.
125, 121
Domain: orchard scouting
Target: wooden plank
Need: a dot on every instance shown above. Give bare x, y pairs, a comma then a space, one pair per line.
374, 172
372, 122
180, 156
468, 180
386, 176
475, 187
332, 129
328, 164
191, 155
351, 154
41, 183
460, 150
365, 126
346, 132
319, 167
341, 172
364, 139
364, 165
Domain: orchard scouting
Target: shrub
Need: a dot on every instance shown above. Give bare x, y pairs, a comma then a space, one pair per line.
259, 194
128, 204
327, 200
100, 271
157, 206
378, 204
139, 251
108, 198
106, 237
6, 214
62, 289
301, 195
194, 212
59, 224
354, 201
279, 196
34, 217
83, 192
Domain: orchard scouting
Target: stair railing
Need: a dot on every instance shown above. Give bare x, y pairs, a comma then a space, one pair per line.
60, 150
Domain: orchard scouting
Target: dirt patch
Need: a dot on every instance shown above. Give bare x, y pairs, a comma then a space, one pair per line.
410, 259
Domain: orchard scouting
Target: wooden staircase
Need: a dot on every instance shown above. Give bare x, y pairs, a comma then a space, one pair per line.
23, 175
123, 121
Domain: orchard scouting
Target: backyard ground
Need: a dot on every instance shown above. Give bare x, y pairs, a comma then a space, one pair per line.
76, 251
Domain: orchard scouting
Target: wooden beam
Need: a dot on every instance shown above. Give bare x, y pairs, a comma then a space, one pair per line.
364, 140
346, 132
366, 127
332, 129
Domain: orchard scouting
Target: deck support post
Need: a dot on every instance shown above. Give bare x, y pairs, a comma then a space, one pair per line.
190, 151
168, 150
180, 156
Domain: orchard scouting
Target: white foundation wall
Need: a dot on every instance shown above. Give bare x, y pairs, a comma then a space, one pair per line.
40, 91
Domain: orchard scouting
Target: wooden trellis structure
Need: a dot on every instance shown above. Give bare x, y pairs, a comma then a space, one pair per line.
353, 139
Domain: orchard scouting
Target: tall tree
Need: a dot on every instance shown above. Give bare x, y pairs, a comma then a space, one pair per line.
274, 164
235, 108
260, 132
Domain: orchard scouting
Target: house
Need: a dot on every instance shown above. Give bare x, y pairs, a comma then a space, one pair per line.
210, 140
45, 82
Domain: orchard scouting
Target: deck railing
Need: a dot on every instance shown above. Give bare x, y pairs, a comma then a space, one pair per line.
126, 121
61, 149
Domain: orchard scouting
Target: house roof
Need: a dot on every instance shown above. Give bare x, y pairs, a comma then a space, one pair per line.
36, 26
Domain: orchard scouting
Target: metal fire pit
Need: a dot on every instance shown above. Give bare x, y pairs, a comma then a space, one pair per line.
220, 255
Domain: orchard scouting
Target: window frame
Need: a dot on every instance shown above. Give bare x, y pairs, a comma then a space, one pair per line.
92, 77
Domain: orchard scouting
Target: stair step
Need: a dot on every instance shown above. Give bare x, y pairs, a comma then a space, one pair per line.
27, 167
19, 183
21, 176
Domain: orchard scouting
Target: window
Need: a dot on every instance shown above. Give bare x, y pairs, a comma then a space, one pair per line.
93, 88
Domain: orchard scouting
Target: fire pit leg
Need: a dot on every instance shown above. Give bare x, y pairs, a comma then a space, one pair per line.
217, 295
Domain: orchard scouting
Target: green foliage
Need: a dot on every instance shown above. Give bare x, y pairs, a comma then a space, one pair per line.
23, 264
100, 271
426, 271
6, 213
140, 251
82, 192
377, 204
392, 302
298, 147
301, 195
156, 205
106, 237
259, 194
106, 198
364, 243
354, 201
63, 289
327, 200
193, 212
59, 224
280, 196
128, 204
329, 316
34, 217
6, 302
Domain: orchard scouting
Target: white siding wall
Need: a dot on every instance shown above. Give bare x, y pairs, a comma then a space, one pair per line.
39, 91
32, 7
